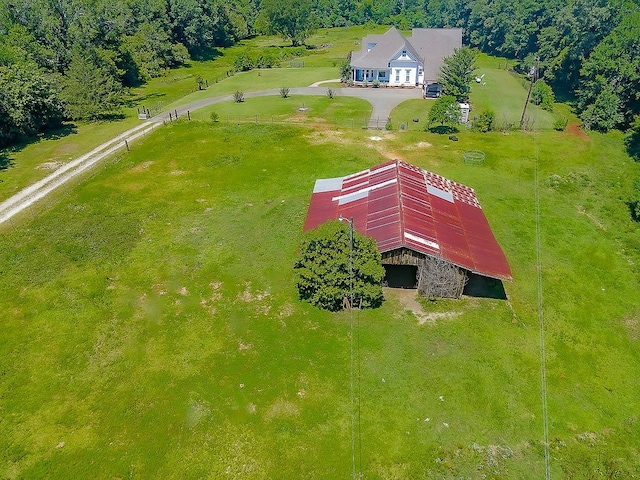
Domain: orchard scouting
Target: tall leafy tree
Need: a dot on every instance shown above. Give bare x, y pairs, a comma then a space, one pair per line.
199, 25
610, 86
447, 13
575, 31
91, 86
457, 73
149, 52
328, 269
29, 101
293, 19
445, 112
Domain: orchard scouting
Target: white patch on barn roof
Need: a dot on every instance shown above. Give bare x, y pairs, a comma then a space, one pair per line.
448, 196
350, 197
327, 185
385, 168
421, 240
357, 174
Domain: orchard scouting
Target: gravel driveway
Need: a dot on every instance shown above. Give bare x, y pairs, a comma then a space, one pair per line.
383, 101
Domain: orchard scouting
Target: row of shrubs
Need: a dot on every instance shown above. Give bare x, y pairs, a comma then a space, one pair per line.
268, 57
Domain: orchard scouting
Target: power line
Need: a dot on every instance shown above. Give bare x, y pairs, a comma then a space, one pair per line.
359, 397
543, 361
351, 368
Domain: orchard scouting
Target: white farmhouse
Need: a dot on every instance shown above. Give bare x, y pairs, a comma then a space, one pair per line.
396, 60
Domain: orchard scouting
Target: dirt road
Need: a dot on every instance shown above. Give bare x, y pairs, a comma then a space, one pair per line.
383, 101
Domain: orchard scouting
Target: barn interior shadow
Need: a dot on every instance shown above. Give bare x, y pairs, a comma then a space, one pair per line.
484, 287
401, 276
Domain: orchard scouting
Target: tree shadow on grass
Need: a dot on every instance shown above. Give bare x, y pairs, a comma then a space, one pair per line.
53, 134
111, 117
634, 210
5, 161
632, 144
61, 132
207, 54
138, 100
444, 130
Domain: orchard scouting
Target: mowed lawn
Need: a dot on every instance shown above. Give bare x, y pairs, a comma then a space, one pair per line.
151, 328
338, 112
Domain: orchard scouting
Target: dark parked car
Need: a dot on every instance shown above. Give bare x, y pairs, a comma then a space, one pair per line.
433, 90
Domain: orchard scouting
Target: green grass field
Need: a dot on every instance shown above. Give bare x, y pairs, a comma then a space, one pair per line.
342, 111
151, 328
31, 162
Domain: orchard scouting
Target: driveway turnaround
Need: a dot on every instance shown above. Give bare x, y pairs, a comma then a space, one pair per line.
383, 101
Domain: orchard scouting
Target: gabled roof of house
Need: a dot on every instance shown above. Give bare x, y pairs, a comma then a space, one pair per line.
433, 44
386, 47
428, 45
401, 205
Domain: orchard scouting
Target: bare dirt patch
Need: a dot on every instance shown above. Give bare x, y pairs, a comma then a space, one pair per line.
632, 323
582, 211
49, 166
66, 149
321, 137
141, 167
216, 294
574, 130
390, 154
418, 146
281, 409
408, 300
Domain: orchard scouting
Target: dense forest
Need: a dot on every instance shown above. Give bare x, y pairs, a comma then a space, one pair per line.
72, 59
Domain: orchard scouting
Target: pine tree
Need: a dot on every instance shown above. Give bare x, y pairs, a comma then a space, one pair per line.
457, 73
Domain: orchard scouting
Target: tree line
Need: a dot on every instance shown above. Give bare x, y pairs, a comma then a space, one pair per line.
72, 59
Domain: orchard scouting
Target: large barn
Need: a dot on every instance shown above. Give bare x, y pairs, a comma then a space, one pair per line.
430, 231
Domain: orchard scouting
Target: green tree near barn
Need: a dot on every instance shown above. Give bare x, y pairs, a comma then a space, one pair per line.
324, 272
445, 114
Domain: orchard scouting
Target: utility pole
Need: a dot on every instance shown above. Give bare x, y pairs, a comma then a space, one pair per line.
534, 79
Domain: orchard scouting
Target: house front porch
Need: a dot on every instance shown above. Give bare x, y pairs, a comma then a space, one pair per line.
370, 75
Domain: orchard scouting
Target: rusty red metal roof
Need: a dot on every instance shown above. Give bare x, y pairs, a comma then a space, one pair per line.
401, 205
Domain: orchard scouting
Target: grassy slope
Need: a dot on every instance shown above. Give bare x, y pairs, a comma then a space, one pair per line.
340, 111
152, 329
499, 91
178, 87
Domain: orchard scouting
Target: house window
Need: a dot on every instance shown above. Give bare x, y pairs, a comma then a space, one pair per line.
397, 75
408, 76
382, 74
404, 53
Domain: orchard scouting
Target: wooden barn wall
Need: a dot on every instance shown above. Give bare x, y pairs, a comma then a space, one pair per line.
436, 277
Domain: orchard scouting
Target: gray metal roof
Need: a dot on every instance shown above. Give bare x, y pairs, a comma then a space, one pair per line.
433, 44
387, 46
429, 45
